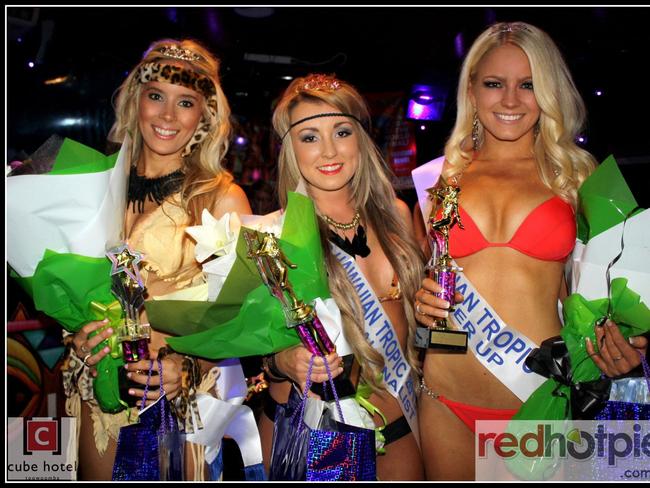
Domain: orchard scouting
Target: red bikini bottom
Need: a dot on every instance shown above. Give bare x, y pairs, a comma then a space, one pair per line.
470, 413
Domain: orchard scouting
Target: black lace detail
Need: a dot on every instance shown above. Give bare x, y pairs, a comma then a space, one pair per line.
358, 246
155, 189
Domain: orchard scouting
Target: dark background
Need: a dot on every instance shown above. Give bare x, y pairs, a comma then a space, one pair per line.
378, 49
383, 51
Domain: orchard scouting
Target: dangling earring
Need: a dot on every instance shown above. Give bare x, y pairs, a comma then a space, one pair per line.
475, 131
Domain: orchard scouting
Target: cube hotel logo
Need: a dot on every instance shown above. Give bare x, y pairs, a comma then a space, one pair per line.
41, 448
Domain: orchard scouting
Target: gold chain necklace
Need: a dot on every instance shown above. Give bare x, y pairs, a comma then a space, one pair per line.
339, 225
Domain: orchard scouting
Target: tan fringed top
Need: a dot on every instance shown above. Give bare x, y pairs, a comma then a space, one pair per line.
168, 263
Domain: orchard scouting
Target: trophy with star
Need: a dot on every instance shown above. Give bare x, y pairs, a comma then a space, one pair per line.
273, 264
128, 288
441, 268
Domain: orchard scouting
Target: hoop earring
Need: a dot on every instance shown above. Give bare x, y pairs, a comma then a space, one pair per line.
475, 123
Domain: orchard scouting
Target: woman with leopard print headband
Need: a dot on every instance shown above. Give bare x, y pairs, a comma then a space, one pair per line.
172, 107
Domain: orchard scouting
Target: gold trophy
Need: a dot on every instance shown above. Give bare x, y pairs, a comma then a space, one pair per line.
131, 337
444, 215
129, 289
272, 265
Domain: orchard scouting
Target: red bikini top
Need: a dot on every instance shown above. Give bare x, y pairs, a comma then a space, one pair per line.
548, 232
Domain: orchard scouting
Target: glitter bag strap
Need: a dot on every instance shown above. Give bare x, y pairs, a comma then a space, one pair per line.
336, 397
146, 387
301, 410
160, 373
297, 416
164, 405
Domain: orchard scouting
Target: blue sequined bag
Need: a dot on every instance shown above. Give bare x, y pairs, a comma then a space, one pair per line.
139, 445
629, 398
334, 451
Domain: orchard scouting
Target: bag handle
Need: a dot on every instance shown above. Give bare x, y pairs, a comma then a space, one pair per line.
160, 373
146, 387
300, 411
162, 391
336, 397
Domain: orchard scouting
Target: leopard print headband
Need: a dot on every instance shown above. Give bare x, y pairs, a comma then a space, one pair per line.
168, 73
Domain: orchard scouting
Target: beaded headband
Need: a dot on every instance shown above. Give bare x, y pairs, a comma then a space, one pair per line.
328, 114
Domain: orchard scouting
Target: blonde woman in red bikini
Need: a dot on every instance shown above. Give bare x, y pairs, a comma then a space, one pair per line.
512, 152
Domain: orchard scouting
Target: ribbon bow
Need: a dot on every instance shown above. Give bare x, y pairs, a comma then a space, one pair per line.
552, 360
112, 312
106, 384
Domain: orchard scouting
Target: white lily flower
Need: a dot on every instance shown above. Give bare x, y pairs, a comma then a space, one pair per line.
215, 237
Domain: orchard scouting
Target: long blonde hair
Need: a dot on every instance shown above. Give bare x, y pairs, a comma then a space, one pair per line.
562, 165
205, 178
374, 197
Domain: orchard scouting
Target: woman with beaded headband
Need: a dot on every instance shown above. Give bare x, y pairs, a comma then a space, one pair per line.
512, 152
326, 147
174, 110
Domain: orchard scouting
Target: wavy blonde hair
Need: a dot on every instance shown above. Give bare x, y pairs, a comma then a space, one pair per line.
205, 178
562, 165
374, 197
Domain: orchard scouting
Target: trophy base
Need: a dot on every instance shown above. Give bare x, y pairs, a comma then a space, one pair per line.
441, 338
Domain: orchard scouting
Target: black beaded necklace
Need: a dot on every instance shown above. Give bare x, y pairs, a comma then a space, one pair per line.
155, 189
359, 245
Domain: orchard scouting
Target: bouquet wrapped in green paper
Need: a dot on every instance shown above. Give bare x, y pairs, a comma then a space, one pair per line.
64, 209
245, 319
607, 209
609, 278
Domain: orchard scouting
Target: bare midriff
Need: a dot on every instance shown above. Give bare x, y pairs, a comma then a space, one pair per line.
524, 293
